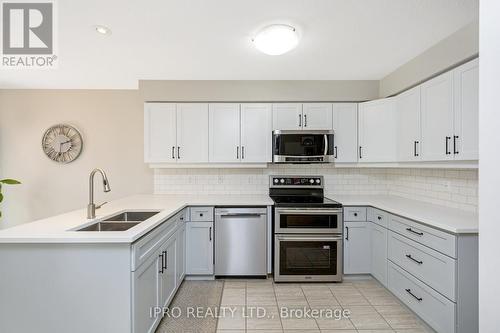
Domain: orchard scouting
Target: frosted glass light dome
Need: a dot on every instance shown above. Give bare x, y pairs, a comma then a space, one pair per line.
276, 39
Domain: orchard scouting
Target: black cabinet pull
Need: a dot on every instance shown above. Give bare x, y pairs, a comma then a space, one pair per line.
455, 151
415, 143
164, 260
305, 120
210, 234
360, 155
178, 152
379, 217
415, 260
415, 232
448, 138
161, 267
242, 152
417, 298
335, 154
173, 152
355, 214
346, 233
237, 152
300, 120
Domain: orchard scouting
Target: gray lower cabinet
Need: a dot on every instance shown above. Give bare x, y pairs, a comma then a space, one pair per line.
200, 248
181, 252
433, 272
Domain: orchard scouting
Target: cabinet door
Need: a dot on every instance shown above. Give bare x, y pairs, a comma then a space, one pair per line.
357, 248
168, 271
199, 248
181, 254
145, 290
192, 133
409, 129
377, 131
466, 86
437, 118
287, 116
345, 128
224, 132
317, 116
159, 132
256, 133
379, 252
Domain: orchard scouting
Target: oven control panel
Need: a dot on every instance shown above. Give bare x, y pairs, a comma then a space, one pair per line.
296, 181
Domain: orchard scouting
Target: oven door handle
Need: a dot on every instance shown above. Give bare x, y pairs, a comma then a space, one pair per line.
307, 239
314, 211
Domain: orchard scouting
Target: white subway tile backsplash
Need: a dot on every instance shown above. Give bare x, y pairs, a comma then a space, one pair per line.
451, 188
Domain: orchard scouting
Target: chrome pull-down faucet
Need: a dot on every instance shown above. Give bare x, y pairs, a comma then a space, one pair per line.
91, 207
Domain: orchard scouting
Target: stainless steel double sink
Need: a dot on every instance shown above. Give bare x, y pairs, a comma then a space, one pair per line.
120, 222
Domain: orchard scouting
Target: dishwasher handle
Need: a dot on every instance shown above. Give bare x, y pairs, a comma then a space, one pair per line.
242, 215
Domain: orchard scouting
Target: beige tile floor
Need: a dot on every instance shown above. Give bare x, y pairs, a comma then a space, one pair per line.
373, 309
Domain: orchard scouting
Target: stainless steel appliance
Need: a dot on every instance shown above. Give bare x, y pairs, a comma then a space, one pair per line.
240, 241
303, 146
307, 230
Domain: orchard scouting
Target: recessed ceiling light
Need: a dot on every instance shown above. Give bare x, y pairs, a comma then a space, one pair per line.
276, 39
102, 30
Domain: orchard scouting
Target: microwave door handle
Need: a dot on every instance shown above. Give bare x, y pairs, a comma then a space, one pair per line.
326, 144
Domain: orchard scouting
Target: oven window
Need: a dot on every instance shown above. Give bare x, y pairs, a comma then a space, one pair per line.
310, 221
302, 144
308, 257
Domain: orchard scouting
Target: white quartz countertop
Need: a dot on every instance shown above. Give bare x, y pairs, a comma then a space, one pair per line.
448, 219
60, 228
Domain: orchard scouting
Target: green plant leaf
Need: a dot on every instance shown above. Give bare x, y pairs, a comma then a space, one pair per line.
1, 197
10, 181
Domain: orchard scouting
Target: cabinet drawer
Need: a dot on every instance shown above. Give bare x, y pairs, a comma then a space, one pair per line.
433, 268
201, 214
148, 244
353, 214
433, 238
436, 310
377, 216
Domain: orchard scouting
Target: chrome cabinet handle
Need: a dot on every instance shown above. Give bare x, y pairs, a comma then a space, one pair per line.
305, 120
346, 233
417, 298
415, 232
173, 152
300, 120
415, 260
455, 151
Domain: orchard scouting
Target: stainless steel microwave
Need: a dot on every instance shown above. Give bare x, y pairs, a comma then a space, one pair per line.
302, 146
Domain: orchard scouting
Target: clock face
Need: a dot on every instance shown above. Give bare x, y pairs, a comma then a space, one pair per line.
62, 143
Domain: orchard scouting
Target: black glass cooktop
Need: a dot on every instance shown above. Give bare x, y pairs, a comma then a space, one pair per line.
304, 201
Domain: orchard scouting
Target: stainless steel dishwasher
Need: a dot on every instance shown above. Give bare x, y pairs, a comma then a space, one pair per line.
240, 241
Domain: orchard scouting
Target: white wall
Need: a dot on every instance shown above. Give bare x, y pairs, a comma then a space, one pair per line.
455, 49
450, 188
111, 123
489, 166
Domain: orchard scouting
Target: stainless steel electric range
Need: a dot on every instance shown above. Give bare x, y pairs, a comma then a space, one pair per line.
307, 230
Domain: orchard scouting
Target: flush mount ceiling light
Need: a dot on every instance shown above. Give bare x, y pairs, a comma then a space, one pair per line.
276, 39
102, 30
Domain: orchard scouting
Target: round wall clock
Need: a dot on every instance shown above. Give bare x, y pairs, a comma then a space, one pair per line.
62, 143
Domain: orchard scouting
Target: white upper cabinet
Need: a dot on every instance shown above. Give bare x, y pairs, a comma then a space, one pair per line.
256, 133
287, 116
224, 132
466, 122
298, 116
408, 125
317, 116
437, 118
377, 131
192, 133
160, 132
345, 128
